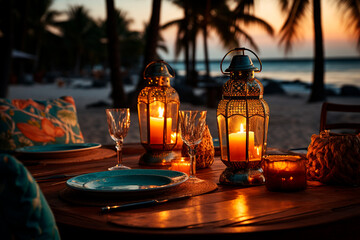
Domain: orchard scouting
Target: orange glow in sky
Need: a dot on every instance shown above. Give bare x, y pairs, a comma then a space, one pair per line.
337, 41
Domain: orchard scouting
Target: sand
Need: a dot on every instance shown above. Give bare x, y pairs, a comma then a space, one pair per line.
292, 119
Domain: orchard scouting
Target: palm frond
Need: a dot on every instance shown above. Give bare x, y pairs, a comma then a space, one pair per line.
351, 9
290, 29
247, 37
172, 23
244, 7
251, 19
284, 5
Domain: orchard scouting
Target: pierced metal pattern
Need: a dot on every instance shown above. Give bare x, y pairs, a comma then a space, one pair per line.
243, 103
158, 81
155, 93
240, 87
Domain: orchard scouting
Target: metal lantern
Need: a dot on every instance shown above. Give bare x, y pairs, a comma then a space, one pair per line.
242, 117
158, 106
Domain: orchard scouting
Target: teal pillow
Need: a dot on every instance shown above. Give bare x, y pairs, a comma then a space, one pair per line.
24, 212
27, 122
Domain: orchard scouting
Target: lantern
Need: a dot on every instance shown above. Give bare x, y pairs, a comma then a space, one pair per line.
158, 106
242, 119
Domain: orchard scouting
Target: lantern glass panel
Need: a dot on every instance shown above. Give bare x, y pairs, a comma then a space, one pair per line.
222, 136
172, 113
157, 122
142, 111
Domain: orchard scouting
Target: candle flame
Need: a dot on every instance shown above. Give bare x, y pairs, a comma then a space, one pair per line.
173, 137
161, 112
241, 128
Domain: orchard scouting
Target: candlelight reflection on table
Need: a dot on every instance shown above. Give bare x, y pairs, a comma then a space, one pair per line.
181, 165
285, 173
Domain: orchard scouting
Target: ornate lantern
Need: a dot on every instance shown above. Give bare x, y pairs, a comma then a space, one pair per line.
158, 106
242, 117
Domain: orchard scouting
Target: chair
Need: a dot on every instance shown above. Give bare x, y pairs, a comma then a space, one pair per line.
332, 107
25, 213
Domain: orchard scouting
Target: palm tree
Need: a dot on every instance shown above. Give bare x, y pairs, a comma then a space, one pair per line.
117, 94
290, 30
151, 42
215, 16
41, 17
80, 32
6, 44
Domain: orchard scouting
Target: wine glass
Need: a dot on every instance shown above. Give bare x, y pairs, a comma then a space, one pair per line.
192, 125
118, 122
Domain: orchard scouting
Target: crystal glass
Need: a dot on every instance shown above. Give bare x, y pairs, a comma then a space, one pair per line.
118, 122
192, 126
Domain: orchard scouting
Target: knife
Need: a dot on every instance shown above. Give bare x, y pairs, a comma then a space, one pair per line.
57, 176
146, 203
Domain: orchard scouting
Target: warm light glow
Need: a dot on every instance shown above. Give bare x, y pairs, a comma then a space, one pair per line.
285, 173
157, 125
161, 112
237, 144
181, 165
241, 128
173, 137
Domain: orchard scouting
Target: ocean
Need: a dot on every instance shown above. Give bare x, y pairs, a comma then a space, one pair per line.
338, 71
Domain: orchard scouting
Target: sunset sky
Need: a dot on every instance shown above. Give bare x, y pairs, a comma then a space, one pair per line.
338, 40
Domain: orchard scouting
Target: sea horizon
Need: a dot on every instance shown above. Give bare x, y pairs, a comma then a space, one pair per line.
339, 71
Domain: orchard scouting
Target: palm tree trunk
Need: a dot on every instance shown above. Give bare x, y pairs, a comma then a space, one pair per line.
194, 77
6, 44
117, 94
205, 34
151, 41
187, 41
318, 88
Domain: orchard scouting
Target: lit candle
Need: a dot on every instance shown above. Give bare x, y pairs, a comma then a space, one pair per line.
237, 144
181, 165
157, 128
257, 152
285, 173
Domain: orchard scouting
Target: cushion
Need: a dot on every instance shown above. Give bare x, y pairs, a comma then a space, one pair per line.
28, 122
25, 214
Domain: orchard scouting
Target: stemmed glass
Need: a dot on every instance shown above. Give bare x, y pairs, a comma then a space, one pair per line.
118, 122
192, 125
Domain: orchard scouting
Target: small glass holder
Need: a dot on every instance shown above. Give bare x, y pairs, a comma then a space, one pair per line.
285, 173
181, 165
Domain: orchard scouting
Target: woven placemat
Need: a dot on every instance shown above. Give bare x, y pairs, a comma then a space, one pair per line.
186, 188
96, 154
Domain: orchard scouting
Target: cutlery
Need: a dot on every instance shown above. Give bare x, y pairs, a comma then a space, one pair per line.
57, 176
146, 203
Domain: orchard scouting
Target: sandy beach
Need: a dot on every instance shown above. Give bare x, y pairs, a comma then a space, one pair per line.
292, 119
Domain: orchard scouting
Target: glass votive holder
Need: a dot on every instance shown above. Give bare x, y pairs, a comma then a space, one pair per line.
181, 165
285, 173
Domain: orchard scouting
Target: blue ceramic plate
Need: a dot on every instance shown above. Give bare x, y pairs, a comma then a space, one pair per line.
59, 148
127, 181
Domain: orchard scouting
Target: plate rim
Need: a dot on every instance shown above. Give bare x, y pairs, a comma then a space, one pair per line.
91, 146
184, 177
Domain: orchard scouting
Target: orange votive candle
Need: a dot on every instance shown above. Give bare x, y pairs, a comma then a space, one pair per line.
285, 173
181, 165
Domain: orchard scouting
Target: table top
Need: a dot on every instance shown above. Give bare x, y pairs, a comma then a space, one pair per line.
319, 210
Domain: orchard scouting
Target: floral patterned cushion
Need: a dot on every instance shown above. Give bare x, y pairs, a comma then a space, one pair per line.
25, 214
27, 122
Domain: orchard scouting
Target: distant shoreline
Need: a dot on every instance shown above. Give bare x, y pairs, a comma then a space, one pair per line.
307, 59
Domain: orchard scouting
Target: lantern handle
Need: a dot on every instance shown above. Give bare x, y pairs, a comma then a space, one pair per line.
159, 61
240, 49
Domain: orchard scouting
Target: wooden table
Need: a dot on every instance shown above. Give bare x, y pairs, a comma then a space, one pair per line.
321, 212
